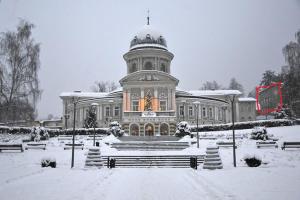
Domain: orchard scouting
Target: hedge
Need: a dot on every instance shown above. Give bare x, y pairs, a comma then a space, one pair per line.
243, 125
53, 132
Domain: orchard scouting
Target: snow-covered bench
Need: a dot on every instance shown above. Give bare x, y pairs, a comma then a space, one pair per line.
76, 146
290, 145
9, 147
65, 137
35, 146
236, 136
260, 144
97, 137
225, 144
207, 137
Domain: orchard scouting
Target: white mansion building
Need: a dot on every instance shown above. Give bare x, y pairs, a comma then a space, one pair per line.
149, 102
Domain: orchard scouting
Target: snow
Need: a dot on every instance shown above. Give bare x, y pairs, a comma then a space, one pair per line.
246, 99
148, 29
21, 176
111, 139
214, 92
84, 94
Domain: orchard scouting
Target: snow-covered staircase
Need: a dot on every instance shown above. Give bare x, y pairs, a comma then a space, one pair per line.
150, 146
212, 159
93, 158
147, 161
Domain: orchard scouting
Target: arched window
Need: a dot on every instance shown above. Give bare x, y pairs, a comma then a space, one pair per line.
163, 67
149, 130
164, 129
134, 130
133, 68
148, 66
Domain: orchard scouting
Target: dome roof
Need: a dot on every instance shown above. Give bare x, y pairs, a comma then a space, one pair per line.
148, 37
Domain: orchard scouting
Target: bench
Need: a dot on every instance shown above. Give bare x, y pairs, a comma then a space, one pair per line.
290, 145
35, 146
225, 144
266, 144
65, 137
97, 137
236, 136
9, 147
26, 140
76, 146
209, 137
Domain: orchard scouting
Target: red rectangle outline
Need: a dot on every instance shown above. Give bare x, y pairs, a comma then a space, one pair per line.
268, 110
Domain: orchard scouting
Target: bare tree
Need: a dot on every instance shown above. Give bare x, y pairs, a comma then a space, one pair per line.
19, 65
211, 86
102, 86
234, 85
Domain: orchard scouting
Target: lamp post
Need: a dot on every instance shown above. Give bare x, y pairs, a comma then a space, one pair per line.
197, 103
75, 99
94, 106
232, 99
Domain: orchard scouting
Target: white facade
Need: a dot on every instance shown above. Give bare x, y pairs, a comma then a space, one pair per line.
149, 102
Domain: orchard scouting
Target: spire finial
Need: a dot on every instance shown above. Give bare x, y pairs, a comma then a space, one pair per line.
148, 18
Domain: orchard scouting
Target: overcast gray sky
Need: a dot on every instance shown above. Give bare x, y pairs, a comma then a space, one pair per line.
83, 41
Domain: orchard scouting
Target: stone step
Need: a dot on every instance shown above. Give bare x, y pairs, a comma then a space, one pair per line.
212, 159
212, 167
219, 162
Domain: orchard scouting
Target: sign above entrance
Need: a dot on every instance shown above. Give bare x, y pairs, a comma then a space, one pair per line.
148, 114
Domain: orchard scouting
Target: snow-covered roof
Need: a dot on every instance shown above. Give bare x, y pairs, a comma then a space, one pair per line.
214, 92
84, 94
247, 99
148, 29
148, 36
119, 89
147, 45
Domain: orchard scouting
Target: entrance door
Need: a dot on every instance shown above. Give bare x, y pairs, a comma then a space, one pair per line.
149, 130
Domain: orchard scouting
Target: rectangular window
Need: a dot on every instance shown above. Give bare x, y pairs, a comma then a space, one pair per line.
210, 113
117, 111
204, 112
163, 105
135, 105
107, 111
181, 110
190, 110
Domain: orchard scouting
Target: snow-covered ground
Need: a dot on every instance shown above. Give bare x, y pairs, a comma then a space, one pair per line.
21, 176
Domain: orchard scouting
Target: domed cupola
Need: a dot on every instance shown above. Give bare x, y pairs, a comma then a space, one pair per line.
148, 37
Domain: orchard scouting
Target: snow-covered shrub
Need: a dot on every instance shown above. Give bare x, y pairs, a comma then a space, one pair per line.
39, 133
48, 162
183, 129
253, 160
115, 129
259, 133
